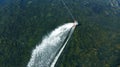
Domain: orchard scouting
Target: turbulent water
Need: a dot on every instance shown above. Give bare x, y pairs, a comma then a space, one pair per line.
47, 53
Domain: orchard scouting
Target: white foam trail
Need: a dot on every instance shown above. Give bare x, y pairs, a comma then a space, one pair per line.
44, 54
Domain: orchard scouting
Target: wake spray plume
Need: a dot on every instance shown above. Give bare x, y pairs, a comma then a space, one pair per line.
46, 54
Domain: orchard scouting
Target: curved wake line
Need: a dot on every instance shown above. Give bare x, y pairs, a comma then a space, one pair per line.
44, 54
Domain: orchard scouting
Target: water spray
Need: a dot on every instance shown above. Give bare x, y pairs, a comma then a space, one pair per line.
48, 51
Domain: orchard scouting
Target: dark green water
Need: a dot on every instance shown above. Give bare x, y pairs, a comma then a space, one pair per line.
96, 43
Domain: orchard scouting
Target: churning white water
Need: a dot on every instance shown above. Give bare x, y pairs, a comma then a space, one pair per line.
47, 52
